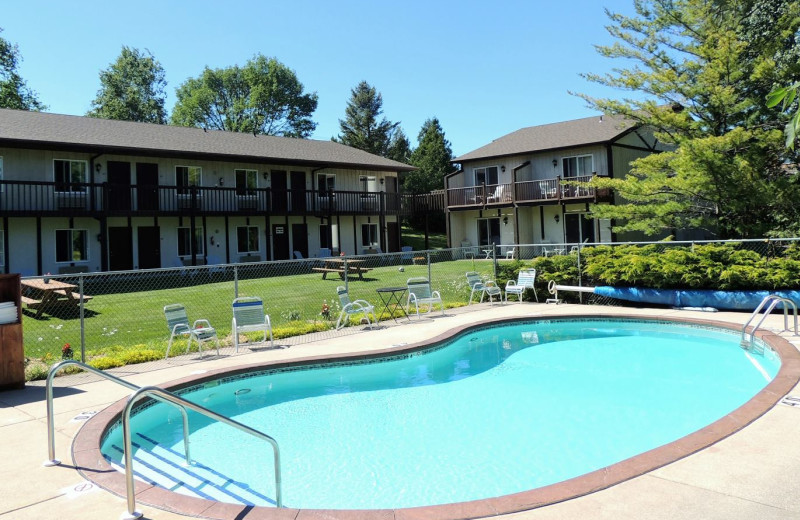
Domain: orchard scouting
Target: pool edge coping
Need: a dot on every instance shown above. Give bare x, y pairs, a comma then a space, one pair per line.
93, 466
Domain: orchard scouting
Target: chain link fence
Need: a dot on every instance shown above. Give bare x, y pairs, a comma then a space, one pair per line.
117, 318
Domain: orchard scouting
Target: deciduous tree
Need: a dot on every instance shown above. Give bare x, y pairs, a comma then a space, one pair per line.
14, 92
262, 97
702, 71
132, 89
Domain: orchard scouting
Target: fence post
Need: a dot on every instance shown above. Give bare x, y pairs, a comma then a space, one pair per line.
235, 282
346, 278
580, 277
83, 325
428, 255
494, 261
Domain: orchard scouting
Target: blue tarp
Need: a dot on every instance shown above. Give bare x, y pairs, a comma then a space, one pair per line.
730, 300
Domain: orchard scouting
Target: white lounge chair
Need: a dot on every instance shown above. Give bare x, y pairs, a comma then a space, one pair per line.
486, 288
353, 307
249, 316
420, 293
178, 325
525, 280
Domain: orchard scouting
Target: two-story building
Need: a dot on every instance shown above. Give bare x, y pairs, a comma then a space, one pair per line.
86, 194
516, 189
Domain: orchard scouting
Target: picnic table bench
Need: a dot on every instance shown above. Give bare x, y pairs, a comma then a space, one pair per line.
340, 270
40, 294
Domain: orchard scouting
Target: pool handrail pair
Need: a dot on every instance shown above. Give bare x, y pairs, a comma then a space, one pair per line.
773, 300
158, 394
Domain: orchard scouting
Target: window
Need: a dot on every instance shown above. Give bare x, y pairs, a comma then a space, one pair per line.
369, 235
71, 245
186, 176
368, 184
326, 182
247, 239
68, 174
577, 166
185, 241
486, 175
2, 186
246, 182
2, 248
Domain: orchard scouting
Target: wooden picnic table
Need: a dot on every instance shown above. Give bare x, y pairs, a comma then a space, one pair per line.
40, 294
336, 265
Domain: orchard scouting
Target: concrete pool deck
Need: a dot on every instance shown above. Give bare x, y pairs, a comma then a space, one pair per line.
754, 473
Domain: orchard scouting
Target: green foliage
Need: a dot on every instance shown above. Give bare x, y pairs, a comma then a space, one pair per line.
711, 266
14, 92
262, 97
36, 372
132, 89
704, 69
432, 156
399, 147
786, 96
363, 127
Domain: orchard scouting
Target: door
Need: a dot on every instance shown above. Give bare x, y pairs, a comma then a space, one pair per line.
393, 232
488, 231
280, 242
300, 239
119, 185
120, 249
147, 186
280, 193
298, 193
392, 200
149, 239
579, 228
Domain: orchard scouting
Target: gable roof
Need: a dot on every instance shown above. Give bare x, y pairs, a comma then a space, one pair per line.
567, 134
20, 128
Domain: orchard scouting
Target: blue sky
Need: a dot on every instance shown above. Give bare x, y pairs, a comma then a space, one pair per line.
483, 68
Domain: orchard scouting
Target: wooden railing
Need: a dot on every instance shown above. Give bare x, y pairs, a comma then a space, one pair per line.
22, 198
542, 190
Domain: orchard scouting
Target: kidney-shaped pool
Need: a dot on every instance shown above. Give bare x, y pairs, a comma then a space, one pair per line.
495, 410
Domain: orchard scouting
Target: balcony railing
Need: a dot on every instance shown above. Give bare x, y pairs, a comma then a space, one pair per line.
524, 192
22, 198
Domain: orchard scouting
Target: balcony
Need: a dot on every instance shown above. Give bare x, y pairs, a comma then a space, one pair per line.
19, 198
542, 191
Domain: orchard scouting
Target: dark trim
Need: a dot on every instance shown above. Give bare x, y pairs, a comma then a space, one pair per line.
631, 147
610, 161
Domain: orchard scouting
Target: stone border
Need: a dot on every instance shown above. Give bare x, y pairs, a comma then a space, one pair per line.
92, 465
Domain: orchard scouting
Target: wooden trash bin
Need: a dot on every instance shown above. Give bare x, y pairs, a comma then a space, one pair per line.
12, 353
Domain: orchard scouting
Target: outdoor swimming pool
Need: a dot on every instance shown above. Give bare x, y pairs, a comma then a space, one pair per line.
495, 411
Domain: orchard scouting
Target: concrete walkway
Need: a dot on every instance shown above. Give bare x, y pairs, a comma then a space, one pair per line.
754, 473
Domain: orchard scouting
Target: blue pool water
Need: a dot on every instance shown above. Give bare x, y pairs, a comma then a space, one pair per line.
497, 411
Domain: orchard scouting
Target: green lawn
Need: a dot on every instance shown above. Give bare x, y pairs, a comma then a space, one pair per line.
416, 239
129, 312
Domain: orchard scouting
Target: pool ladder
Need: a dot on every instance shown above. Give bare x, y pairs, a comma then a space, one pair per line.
159, 394
773, 300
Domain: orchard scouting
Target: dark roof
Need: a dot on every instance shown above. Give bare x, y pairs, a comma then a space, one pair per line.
567, 134
87, 134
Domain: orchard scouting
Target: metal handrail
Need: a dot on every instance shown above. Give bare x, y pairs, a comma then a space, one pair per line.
775, 299
51, 439
157, 392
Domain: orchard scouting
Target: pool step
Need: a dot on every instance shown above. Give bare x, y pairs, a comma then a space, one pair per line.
166, 468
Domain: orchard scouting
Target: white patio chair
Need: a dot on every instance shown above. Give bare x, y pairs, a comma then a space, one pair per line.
475, 283
178, 325
525, 280
419, 292
511, 253
249, 316
353, 307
